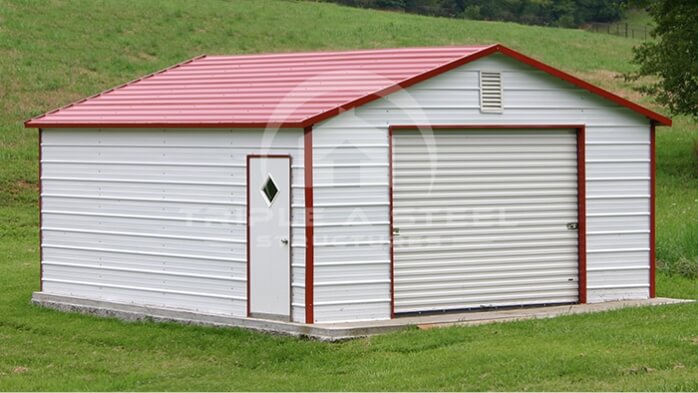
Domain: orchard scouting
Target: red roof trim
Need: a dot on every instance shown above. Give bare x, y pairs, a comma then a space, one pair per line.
659, 119
486, 52
166, 125
663, 120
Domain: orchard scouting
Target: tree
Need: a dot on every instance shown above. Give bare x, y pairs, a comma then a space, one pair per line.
671, 59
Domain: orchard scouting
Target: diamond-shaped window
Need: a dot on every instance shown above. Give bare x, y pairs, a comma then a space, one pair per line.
270, 190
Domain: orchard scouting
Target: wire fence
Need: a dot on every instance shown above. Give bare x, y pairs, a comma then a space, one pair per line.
639, 32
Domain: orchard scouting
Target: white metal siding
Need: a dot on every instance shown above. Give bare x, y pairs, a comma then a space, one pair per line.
157, 216
617, 149
481, 218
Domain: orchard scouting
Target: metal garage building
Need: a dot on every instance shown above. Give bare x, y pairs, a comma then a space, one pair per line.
349, 186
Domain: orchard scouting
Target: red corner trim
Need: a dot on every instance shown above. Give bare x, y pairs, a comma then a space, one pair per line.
582, 213
581, 191
653, 196
41, 232
309, 230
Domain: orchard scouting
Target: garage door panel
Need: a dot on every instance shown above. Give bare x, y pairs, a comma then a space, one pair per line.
484, 137
501, 245
462, 256
481, 286
480, 219
483, 174
538, 295
482, 158
504, 202
475, 232
496, 278
490, 179
504, 188
518, 210
444, 264
480, 164
474, 151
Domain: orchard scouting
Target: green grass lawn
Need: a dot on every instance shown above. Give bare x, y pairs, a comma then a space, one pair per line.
52, 52
638, 17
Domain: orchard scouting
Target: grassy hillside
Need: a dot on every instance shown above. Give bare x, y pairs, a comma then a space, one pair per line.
53, 52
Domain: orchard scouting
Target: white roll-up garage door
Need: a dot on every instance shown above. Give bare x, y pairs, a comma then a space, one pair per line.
484, 218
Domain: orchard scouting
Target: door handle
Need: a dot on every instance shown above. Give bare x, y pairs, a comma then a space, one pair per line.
284, 241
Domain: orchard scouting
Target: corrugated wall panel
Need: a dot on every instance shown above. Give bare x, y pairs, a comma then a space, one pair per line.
157, 216
350, 218
163, 261
617, 139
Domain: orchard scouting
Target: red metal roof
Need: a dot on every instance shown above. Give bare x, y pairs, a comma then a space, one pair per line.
288, 90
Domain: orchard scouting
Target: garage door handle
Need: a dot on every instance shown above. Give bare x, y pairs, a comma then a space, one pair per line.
572, 226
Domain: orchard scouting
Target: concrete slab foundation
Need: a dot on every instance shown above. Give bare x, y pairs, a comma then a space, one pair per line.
327, 331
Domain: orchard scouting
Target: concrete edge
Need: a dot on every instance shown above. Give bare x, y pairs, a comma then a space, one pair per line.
132, 312
328, 331
554, 311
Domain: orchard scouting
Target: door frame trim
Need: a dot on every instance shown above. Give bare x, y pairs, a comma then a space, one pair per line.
581, 189
247, 228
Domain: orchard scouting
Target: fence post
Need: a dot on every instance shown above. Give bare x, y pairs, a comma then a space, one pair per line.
626, 30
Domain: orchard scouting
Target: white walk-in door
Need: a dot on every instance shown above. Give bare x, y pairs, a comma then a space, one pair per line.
269, 204
484, 218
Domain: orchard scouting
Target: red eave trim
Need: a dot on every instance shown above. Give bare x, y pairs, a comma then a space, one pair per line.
37, 123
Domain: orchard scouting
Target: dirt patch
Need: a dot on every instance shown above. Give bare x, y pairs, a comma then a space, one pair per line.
20, 370
141, 56
23, 186
640, 370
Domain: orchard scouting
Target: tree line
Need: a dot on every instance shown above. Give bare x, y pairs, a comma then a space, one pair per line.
562, 13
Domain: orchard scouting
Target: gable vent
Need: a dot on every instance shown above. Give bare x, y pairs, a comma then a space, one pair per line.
491, 92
